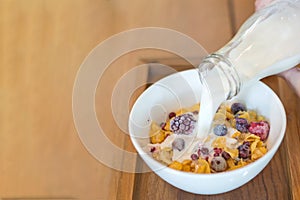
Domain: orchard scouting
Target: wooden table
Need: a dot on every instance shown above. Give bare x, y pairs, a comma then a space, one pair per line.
279, 180
42, 45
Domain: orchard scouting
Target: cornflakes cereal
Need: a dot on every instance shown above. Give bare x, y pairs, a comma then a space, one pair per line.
238, 137
176, 165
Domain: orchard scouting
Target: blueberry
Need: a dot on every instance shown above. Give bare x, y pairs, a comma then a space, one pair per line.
218, 164
220, 130
236, 107
178, 144
241, 125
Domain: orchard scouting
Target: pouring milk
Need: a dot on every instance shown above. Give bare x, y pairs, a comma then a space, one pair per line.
266, 44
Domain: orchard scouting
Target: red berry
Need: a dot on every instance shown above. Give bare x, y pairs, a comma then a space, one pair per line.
218, 150
152, 149
199, 152
171, 115
194, 156
260, 129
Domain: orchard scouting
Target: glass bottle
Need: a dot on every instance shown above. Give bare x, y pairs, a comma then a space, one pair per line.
266, 44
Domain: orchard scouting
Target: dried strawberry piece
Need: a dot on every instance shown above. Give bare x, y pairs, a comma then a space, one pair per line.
171, 115
194, 156
152, 149
260, 129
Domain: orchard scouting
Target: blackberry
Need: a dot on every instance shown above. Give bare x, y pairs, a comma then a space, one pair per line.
183, 124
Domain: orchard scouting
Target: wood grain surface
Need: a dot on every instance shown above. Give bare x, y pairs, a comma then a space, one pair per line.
279, 180
42, 45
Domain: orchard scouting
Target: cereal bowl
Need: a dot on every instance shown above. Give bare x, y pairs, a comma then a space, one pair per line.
182, 90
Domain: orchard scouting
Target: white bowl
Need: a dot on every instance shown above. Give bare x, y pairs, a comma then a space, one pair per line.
182, 90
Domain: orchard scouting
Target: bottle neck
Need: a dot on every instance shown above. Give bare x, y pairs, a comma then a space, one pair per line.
219, 76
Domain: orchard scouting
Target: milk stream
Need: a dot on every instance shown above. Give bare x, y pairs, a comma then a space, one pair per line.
212, 96
266, 44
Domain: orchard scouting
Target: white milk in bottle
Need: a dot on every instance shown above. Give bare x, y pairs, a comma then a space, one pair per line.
266, 44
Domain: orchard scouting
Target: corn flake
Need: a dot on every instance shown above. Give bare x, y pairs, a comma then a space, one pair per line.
251, 138
229, 115
244, 115
219, 142
258, 153
252, 115
236, 134
202, 167
234, 153
176, 165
